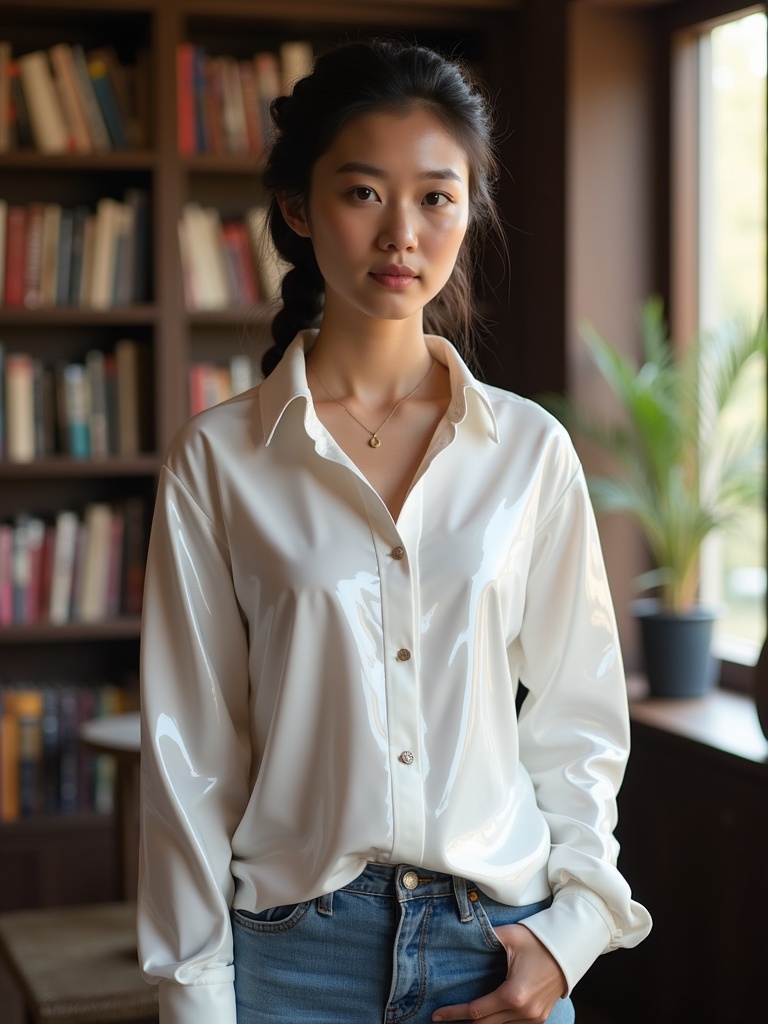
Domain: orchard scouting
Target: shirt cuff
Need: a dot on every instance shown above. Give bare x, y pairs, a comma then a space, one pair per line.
197, 1004
575, 930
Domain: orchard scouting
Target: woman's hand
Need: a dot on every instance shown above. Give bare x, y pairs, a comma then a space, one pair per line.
534, 983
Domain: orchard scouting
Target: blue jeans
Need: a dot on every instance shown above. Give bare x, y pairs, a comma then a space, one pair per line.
392, 946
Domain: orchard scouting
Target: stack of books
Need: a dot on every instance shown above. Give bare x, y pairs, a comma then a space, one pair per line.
55, 256
223, 102
227, 264
44, 769
211, 383
86, 567
66, 100
90, 410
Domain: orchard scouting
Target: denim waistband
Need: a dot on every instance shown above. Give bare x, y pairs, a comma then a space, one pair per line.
407, 882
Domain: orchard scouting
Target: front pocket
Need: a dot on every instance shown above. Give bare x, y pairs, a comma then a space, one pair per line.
491, 914
275, 919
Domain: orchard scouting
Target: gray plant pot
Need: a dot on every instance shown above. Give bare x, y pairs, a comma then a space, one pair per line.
677, 649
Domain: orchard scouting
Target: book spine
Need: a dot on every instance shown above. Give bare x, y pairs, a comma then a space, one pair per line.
185, 111
96, 126
107, 100
63, 566
64, 257
19, 404
49, 126
21, 119
65, 78
76, 399
33, 267
16, 256
6, 135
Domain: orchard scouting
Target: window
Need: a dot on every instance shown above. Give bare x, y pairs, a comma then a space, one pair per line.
719, 264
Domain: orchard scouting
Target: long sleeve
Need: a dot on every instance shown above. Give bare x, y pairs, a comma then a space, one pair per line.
195, 760
574, 734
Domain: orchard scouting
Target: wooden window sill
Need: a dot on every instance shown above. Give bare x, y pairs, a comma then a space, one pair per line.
722, 720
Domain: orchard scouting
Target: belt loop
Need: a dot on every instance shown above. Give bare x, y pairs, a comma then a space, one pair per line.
460, 890
325, 904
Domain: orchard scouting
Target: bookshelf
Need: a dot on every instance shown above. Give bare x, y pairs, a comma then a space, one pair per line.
147, 34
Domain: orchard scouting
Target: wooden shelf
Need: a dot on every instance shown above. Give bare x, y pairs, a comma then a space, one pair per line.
72, 632
137, 465
115, 160
54, 316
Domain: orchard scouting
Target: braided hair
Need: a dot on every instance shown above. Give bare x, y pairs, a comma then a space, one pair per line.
379, 75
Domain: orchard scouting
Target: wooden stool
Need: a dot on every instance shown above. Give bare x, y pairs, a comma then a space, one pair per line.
78, 965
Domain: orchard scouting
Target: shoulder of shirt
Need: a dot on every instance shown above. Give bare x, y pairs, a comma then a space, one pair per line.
199, 448
524, 413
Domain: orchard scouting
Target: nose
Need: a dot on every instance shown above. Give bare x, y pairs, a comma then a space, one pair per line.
398, 232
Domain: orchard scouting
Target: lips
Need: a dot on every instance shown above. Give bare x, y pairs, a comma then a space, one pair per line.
394, 275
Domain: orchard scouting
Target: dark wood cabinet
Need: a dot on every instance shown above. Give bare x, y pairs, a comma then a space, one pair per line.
693, 826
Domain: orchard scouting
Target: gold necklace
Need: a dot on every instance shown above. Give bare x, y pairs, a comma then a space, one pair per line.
374, 440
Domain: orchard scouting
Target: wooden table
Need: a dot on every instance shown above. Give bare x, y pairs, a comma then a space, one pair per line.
120, 737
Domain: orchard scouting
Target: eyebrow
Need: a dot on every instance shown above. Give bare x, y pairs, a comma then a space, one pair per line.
358, 167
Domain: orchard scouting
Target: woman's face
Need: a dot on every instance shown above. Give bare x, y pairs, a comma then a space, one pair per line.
387, 213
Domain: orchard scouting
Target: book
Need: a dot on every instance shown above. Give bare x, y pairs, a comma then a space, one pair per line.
207, 285
110, 108
22, 124
91, 599
16, 255
134, 555
80, 215
97, 127
51, 743
136, 288
98, 425
185, 107
77, 411
87, 262
122, 83
64, 257
104, 253
33, 267
6, 135
49, 126
6, 574
3, 231
49, 256
65, 78
296, 61
19, 407
270, 266
28, 708
65, 541
245, 284
9, 756
269, 84
128, 372
251, 107
234, 108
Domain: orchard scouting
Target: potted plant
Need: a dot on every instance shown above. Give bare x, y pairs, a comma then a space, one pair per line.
677, 472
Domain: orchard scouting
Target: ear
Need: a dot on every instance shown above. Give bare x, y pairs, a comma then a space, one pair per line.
294, 215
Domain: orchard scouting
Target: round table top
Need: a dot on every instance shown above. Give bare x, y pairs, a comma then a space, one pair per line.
114, 734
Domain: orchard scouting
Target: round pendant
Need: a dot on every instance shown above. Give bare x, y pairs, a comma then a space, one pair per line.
374, 442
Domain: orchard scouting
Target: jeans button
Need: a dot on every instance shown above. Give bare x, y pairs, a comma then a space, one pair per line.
410, 879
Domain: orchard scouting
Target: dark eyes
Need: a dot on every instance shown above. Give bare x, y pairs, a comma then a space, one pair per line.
365, 194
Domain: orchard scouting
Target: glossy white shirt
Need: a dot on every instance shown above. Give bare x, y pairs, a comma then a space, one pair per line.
323, 686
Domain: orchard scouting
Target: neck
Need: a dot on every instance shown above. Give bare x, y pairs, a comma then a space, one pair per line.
376, 365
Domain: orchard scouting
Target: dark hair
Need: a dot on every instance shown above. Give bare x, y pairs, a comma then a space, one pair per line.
380, 75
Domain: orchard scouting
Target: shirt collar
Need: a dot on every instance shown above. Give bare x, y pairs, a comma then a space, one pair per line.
288, 382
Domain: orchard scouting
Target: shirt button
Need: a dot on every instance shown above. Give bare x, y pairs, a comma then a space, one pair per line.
398, 552
410, 879
403, 654
406, 757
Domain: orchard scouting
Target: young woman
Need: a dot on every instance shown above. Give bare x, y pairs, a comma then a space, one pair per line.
353, 568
